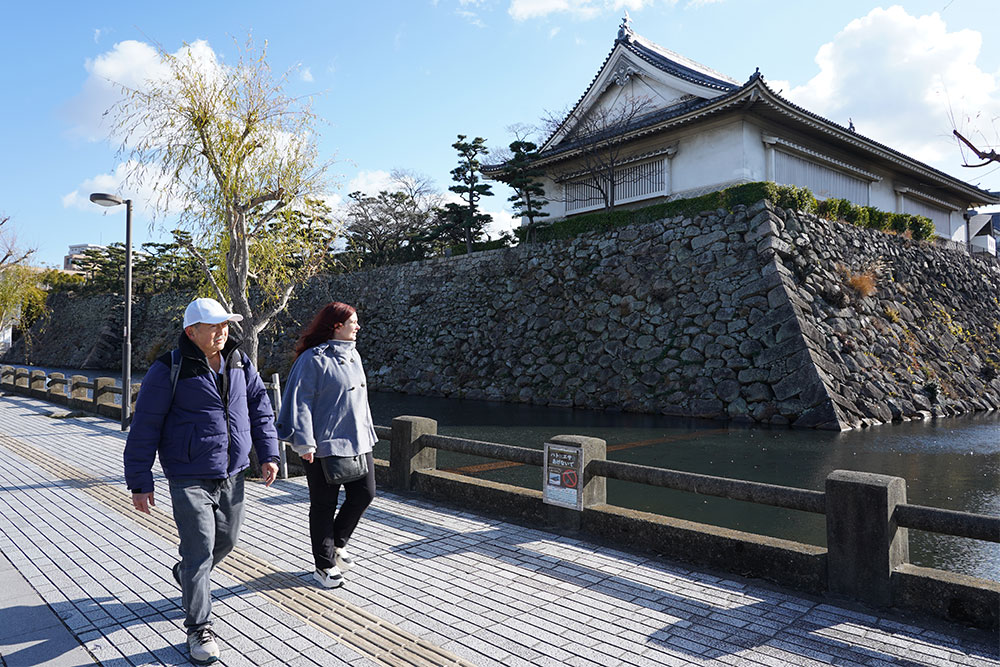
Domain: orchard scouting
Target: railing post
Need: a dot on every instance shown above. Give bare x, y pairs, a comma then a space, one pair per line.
104, 399
405, 455
57, 388
589, 489
21, 378
136, 386
36, 384
864, 544
276, 407
78, 393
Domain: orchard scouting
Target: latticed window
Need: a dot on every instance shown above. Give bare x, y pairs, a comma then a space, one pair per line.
939, 216
583, 193
823, 181
632, 181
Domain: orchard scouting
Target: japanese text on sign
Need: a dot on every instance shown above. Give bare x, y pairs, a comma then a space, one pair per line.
562, 474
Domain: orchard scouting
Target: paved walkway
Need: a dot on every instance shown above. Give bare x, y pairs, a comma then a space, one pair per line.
85, 579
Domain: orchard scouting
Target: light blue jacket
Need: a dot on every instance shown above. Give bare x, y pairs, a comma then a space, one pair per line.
324, 407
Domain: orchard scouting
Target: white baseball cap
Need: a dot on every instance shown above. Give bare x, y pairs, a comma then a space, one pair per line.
208, 311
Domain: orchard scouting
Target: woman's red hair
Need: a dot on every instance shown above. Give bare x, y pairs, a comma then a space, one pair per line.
323, 325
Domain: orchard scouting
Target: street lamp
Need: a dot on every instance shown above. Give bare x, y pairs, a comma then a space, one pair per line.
114, 200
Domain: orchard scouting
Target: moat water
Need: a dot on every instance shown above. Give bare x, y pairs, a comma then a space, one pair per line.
949, 463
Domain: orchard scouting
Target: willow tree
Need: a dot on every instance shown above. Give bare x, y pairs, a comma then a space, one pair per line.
18, 282
235, 158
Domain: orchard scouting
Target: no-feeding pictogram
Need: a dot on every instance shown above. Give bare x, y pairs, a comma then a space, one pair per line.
561, 475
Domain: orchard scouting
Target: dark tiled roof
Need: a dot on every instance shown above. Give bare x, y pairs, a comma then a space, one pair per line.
678, 65
664, 60
734, 95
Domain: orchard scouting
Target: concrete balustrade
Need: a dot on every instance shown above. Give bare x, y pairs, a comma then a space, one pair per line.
867, 516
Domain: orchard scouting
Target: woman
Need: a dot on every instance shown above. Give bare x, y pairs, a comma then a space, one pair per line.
325, 413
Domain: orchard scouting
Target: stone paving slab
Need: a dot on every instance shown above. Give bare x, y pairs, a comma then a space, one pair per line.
433, 585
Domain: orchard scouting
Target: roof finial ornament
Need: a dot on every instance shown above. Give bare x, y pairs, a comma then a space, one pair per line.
755, 75
625, 29
850, 125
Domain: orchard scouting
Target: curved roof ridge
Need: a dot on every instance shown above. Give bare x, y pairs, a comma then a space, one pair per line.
675, 63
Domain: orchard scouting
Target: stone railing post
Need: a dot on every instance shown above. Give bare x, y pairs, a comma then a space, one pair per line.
57, 388
590, 489
405, 455
78, 393
21, 378
864, 544
36, 384
104, 399
136, 386
6, 375
275, 389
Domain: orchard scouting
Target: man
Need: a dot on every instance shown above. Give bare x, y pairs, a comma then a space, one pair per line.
200, 408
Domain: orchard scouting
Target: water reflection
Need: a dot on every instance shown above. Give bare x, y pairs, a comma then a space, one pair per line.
952, 464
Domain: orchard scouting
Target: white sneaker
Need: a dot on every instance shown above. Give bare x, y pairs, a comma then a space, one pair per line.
203, 647
329, 578
343, 560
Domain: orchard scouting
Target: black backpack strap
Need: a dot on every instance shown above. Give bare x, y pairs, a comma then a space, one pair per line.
175, 371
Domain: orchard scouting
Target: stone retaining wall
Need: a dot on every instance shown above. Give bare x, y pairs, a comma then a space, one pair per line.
746, 315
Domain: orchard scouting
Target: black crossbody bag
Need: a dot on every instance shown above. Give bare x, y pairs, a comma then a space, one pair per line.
344, 469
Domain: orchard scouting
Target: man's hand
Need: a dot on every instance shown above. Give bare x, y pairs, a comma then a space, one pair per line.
308, 458
270, 472
143, 501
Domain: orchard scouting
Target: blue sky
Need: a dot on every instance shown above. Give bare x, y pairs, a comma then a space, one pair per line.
395, 81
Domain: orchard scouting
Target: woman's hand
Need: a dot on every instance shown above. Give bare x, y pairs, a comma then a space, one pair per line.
308, 458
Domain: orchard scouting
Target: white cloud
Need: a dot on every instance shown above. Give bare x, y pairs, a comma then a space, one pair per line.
702, 3
128, 65
522, 10
502, 221
370, 182
554, 32
142, 191
899, 77
306, 75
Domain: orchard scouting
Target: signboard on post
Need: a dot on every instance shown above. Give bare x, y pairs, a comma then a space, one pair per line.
562, 476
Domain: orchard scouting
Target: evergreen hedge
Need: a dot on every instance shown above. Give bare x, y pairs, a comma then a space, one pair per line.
783, 196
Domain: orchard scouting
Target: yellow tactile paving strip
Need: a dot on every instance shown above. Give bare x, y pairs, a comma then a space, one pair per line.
367, 634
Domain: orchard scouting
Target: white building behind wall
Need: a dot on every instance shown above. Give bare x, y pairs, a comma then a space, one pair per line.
700, 131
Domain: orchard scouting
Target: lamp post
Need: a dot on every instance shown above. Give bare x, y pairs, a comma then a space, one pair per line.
113, 200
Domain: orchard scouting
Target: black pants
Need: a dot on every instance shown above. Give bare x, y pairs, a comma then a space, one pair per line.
329, 528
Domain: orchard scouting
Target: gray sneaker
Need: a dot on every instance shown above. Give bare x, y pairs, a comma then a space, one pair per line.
203, 647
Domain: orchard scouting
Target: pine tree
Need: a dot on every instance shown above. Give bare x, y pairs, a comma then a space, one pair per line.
528, 199
470, 187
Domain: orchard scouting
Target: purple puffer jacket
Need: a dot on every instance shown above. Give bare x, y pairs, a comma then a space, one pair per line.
198, 435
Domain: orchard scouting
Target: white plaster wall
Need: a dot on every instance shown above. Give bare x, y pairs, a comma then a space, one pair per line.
959, 230
714, 156
754, 152
883, 196
556, 208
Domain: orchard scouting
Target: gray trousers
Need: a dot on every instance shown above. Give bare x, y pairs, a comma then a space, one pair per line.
208, 514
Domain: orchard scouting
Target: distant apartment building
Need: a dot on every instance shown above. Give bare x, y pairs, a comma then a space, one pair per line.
76, 254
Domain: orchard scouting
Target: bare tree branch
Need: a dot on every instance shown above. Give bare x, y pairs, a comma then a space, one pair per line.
992, 156
188, 245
